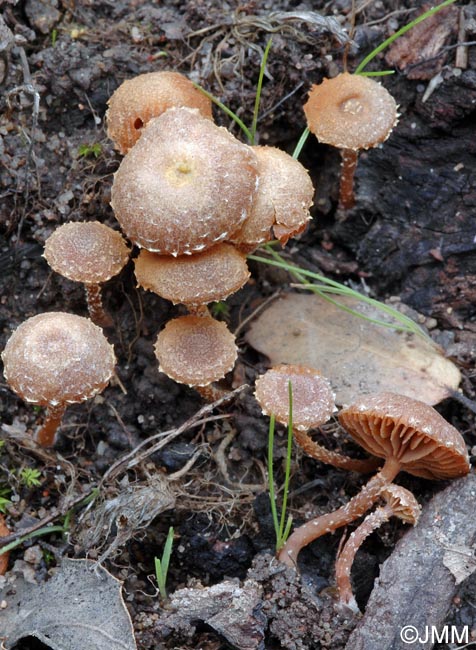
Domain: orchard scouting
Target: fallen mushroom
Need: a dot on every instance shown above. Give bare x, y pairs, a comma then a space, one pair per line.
185, 186
409, 435
351, 112
281, 207
313, 405
149, 95
197, 351
88, 252
399, 503
193, 280
56, 359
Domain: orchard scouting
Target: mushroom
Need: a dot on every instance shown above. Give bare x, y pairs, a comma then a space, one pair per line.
193, 280
88, 252
313, 405
56, 359
400, 503
410, 435
351, 112
149, 95
186, 185
281, 206
197, 351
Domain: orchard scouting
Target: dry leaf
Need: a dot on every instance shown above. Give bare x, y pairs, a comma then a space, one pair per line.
461, 562
79, 607
357, 356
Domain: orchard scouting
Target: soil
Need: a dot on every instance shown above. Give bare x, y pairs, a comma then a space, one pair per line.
410, 235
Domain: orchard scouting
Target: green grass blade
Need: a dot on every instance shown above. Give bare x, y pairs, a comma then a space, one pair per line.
227, 111
167, 551
400, 32
287, 473
377, 73
405, 323
301, 142
47, 530
162, 564
259, 88
272, 494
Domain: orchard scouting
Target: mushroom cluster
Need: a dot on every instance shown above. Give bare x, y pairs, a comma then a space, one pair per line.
405, 433
195, 200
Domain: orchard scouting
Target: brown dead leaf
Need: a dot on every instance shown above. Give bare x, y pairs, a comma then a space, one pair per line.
419, 51
358, 357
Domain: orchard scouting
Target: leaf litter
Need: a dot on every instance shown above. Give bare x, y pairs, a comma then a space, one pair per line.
81, 606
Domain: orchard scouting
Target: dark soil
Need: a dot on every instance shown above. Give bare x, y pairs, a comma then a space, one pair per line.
411, 234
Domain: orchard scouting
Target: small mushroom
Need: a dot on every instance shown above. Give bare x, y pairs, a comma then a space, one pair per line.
400, 503
410, 435
56, 359
185, 186
351, 112
88, 252
197, 351
281, 206
193, 280
149, 95
313, 405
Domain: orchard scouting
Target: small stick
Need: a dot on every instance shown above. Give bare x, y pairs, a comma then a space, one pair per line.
461, 59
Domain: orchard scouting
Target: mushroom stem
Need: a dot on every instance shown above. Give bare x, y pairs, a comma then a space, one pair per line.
211, 392
346, 558
329, 522
348, 167
95, 306
46, 435
315, 450
199, 310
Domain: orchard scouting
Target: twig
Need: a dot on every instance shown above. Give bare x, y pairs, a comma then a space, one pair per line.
133, 458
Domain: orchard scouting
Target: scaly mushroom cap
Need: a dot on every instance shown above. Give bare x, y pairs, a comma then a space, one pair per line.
58, 358
88, 252
402, 502
350, 112
149, 95
185, 186
193, 279
388, 425
281, 206
195, 350
313, 399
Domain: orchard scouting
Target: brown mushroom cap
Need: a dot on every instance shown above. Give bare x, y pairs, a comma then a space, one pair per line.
185, 186
313, 399
402, 502
281, 206
350, 112
58, 358
87, 251
195, 350
193, 279
388, 425
149, 95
